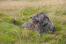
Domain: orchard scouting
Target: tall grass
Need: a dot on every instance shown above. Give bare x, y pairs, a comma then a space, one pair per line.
12, 34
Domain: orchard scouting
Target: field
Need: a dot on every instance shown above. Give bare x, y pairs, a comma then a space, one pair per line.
22, 10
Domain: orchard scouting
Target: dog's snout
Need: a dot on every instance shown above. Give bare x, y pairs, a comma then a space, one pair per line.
30, 16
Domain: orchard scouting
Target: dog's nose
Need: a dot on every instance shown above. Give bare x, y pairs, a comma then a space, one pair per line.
31, 17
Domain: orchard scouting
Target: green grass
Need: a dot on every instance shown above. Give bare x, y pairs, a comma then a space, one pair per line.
12, 34
9, 33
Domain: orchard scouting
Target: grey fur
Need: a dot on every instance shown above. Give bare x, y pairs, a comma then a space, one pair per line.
28, 25
41, 23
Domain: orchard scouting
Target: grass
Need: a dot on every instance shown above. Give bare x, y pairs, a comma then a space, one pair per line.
9, 33
13, 34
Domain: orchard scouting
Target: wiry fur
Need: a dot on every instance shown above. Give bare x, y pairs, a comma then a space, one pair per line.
41, 23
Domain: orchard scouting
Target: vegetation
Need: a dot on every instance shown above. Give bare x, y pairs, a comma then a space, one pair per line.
13, 34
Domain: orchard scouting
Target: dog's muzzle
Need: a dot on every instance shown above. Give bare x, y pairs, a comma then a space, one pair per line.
34, 19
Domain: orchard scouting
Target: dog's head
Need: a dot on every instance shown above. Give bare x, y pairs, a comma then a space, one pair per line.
38, 17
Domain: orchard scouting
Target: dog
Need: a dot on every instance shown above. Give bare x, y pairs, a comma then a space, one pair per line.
41, 23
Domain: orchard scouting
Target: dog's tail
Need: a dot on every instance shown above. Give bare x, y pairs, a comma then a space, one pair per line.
14, 21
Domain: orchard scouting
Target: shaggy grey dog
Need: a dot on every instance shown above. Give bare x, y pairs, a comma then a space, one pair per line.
41, 23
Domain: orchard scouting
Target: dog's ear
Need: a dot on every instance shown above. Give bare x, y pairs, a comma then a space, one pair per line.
46, 17
45, 21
